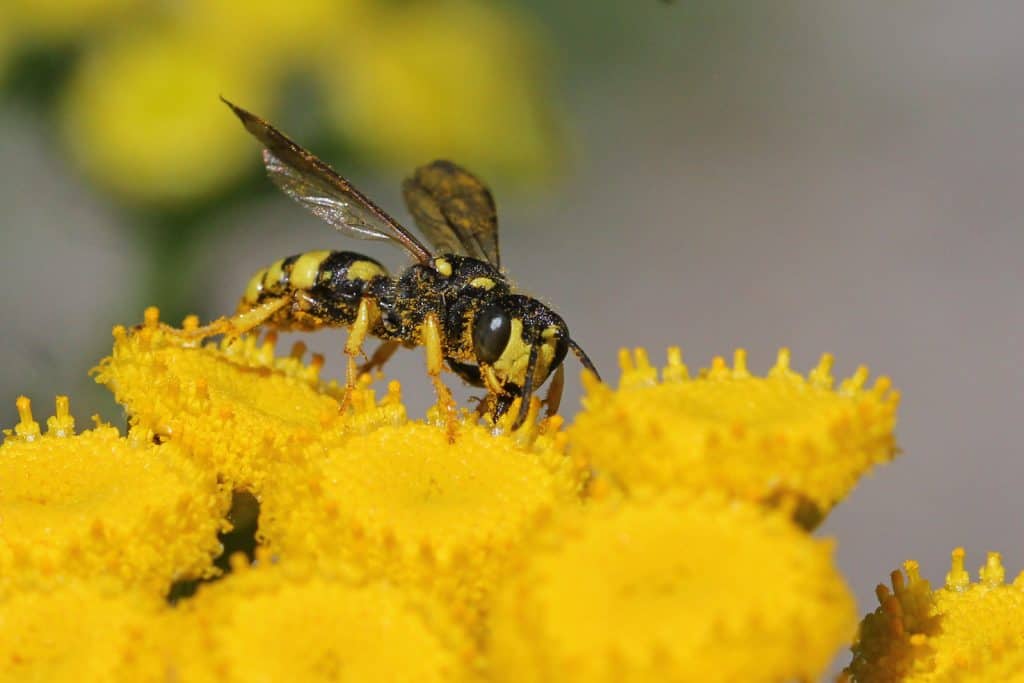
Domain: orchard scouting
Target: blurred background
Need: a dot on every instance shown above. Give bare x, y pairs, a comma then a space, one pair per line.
830, 177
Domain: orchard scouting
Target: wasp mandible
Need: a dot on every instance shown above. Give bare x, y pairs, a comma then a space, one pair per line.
455, 301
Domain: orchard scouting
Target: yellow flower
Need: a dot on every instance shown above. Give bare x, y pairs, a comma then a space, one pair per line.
141, 115
276, 623
457, 79
59, 21
392, 549
781, 439
409, 82
5, 41
404, 503
98, 504
364, 489
82, 631
279, 37
235, 407
671, 589
961, 632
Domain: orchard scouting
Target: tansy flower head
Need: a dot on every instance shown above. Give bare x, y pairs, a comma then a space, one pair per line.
440, 54
961, 632
99, 504
236, 407
42, 22
783, 439
82, 631
405, 503
670, 589
281, 38
159, 136
276, 623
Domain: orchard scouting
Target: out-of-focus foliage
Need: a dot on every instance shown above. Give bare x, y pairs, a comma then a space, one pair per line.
403, 82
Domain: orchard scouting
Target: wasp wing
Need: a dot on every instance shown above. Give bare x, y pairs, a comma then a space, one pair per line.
318, 188
454, 210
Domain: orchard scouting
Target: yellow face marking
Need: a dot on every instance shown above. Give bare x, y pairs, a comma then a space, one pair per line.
482, 282
511, 366
273, 275
364, 270
443, 267
306, 268
491, 380
255, 287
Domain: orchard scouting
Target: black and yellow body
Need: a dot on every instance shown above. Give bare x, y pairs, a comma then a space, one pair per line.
323, 288
453, 300
488, 332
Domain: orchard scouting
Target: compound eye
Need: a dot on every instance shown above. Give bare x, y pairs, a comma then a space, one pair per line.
491, 331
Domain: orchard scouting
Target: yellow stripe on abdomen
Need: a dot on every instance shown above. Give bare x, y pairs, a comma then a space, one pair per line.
273, 277
364, 270
306, 269
255, 287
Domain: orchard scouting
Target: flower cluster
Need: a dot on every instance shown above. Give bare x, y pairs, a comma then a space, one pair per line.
661, 536
964, 631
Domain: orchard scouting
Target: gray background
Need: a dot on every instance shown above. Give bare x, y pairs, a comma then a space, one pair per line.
831, 177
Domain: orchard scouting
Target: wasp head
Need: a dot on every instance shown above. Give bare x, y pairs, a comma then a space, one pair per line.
518, 342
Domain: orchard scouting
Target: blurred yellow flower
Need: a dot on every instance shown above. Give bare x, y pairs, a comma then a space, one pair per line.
671, 589
5, 41
782, 439
969, 632
82, 631
276, 38
44, 22
406, 82
274, 623
141, 115
457, 79
99, 504
268, 623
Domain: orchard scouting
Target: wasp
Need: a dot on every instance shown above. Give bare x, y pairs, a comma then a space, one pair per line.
454, 300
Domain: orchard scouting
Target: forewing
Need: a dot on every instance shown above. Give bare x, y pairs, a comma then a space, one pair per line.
317, 187
454, 211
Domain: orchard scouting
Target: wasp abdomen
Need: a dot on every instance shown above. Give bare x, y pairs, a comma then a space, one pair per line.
326, 287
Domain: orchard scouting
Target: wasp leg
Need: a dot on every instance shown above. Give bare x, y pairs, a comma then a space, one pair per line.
356, 336
435, 361
554, 398
238, 324
354, 347
380, 356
